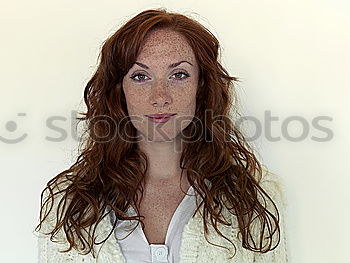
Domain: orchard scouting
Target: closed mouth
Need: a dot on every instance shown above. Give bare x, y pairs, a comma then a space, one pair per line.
160, 116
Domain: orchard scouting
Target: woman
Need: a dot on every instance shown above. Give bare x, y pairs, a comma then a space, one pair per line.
162, 151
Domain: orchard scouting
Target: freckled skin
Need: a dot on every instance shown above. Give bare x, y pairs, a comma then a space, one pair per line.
161, 89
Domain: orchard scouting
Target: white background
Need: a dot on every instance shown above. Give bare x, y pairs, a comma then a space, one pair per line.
293, 59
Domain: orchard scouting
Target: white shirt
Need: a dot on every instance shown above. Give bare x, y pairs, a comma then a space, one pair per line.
136, 248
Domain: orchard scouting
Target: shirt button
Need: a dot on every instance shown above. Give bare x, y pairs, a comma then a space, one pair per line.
159, 253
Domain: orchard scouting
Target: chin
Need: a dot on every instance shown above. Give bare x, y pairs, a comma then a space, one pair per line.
164, 137
160, 136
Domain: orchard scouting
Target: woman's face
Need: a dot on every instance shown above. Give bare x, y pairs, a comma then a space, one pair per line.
164, 79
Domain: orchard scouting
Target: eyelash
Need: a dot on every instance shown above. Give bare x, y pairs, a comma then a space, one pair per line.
140, 74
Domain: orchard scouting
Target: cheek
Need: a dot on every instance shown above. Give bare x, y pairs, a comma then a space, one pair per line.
134, 100
136, 104
187, 100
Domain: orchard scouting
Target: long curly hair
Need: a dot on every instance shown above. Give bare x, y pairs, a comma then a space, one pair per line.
110, 169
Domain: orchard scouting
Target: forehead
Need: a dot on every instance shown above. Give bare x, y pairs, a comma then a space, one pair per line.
165, 44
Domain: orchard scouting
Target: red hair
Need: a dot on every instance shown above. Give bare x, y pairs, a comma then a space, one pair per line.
109, 172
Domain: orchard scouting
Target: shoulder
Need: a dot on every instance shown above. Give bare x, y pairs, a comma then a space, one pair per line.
52, 199
50, 248
51, 242
275, 186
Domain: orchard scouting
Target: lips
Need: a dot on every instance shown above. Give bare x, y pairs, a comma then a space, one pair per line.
160, 118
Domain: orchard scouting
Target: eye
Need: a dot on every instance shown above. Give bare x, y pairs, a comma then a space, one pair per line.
178, 74
140, 76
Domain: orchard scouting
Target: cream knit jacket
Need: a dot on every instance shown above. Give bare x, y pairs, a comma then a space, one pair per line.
194, 247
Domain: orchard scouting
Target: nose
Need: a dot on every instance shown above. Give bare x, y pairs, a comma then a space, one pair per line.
160, 95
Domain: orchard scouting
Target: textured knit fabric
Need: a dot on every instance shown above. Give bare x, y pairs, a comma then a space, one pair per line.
194, 247
136, 248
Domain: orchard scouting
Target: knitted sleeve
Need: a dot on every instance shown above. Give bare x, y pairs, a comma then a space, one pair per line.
48, 252
274, 186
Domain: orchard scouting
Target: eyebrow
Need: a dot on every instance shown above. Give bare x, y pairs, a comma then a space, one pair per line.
173, 65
